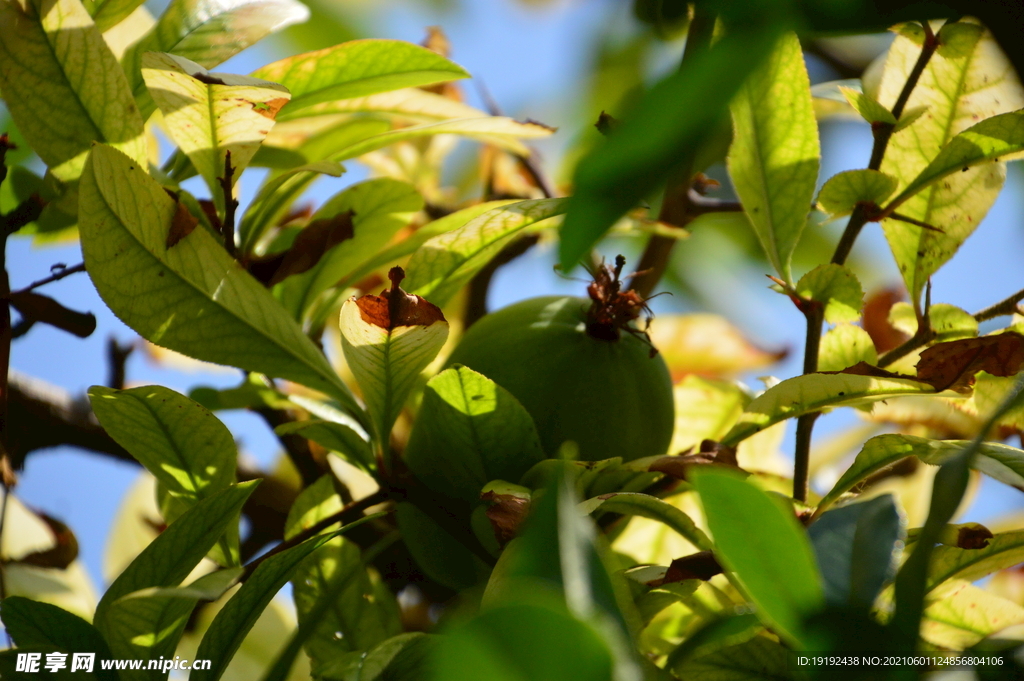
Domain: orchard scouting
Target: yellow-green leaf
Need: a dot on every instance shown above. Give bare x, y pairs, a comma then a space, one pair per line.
447, 262
959, 615
814, 392
207, 33
705, 409
836, 287
358, 68
844, 191
63, 86
387, 355
409, 103
193, 297
1004, 550
947, 321
867, 106
774, 157
210, 114
845, 346
959, 87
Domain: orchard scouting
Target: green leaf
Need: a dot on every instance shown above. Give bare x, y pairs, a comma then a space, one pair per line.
374, 663
765, 546
109, 13
868, 107
31, 623
358, 68
644, 505
999, 461
837, 288
275, 197
959, 615
387, 360
469, 431
182, 444
758, 659
947, 321
844, 191
858, 547
363, 613
438, 554
63, 87
236, 618
444, 264
814, 392
380, 208
773, 161
667, 127
209, 115
408, 104
192, 298
959, 87
516, 642
997, 136
349, 440
1004, 550
208, 34
176, 551
148, 624
844, 346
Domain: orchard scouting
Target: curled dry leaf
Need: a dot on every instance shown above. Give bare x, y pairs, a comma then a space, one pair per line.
394, 307
953, 365
182, 223
63, 552
506, 513
711, 453
701, 565
883, 334
312, 243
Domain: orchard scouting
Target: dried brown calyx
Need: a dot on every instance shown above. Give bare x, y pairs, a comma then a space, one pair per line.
394, 307
614, 310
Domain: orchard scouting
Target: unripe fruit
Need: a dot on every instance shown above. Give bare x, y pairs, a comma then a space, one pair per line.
591, 383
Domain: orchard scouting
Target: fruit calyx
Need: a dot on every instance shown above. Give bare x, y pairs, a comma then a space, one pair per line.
614, 310
394, 307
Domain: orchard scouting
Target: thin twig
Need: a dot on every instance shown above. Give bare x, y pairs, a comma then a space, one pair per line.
1008, 306
816, 314
230, 204
348, 514
63, 271
117, 357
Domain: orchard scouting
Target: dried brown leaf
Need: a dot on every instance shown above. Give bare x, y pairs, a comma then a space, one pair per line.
312, 243
953, 365
182, 225
394, 307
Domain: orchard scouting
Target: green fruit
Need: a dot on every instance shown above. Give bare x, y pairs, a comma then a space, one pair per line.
610, 397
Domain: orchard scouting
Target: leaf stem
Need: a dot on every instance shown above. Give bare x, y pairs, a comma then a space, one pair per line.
816, 314
62, 271
1007, 306
230, 204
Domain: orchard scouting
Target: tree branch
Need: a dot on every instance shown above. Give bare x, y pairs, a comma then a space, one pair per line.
230, 204
62, 271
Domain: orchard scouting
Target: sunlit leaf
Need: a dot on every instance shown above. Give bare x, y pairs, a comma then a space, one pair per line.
276, 196
844, 346
147, 624
447, 262
837, 288
363, 613
388, 340
229, 628
348, 439
705, 409
358, 68
947, 321
765, 546
209, 115
177, 550
754, 660
410, 103
469, 431
959, 615
183, 445
1004, 550
813, 392
773, 161
868, 107
844, 191
197, 300
380, 208
633, 503
207, 33
63, 87
959, 88
108, 13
